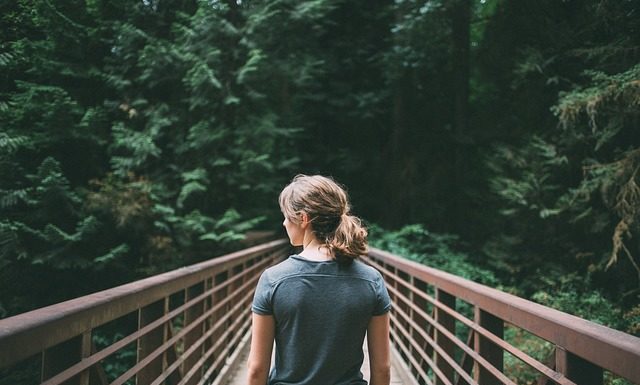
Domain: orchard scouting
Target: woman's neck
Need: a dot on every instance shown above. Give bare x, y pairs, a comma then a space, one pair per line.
314, 250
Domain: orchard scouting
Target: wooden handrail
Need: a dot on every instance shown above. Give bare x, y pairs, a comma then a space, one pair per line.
209, 290
583, 348
215, 315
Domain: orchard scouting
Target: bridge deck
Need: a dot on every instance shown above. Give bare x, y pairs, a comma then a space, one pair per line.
399, 371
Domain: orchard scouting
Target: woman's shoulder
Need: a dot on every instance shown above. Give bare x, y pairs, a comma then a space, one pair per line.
293, 267
367, 271
280, 269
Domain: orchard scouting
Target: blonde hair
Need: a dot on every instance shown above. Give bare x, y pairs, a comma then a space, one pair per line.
327, 205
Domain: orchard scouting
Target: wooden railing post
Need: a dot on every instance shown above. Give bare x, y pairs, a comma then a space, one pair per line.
237, 270
391, 282
85, 351
488, 350
448, 322
208, 324
411, 314
192, 314
218, 295
171, 354
577, 369
150, 342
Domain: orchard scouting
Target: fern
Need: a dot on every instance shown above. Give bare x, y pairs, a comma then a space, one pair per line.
12, 198
139, 147
112, 255
256, 57
6, 58
9, 144
230, 227
195, 182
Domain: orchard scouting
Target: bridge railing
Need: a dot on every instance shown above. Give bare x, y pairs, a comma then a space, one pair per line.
450, 330
180, 327
185, 327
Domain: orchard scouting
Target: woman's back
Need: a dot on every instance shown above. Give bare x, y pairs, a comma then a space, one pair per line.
321, 310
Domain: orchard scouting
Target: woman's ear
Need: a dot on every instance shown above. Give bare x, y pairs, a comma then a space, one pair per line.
304, 220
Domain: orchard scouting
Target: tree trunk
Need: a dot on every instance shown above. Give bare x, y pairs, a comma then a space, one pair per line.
460, 22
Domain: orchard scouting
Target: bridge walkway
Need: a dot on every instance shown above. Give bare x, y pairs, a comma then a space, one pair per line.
399, 372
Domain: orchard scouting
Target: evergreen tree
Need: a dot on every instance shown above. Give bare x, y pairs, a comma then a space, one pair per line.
566, 175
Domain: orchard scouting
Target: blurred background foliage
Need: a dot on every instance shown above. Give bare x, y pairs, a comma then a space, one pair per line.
139, 136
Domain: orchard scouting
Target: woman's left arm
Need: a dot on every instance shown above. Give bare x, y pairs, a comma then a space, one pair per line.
262, 336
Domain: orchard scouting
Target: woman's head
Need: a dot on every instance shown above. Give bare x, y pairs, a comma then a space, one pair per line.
325, 205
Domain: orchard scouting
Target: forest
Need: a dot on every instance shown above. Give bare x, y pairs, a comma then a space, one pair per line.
498, 140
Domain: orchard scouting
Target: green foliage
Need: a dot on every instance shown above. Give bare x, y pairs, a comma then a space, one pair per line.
532, 189
608, 97
533, 346
568, 295
612, 100
439, 251
10, 144
141, 136
119, 362
135, 138
565, 180
140, 146
531, 179
33, 236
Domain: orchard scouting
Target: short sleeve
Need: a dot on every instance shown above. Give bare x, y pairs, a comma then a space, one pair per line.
262, 296
383, 302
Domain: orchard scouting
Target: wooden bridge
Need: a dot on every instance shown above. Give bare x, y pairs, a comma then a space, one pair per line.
192, 326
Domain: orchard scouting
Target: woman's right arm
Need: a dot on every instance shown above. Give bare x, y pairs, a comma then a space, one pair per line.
378, 345
262, 335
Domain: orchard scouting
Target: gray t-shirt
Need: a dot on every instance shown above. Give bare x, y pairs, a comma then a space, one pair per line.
321, 310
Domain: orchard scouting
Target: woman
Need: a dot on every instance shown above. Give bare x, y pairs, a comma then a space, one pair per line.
319, 304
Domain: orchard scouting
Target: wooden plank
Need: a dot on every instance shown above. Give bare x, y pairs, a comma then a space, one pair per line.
85, 351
